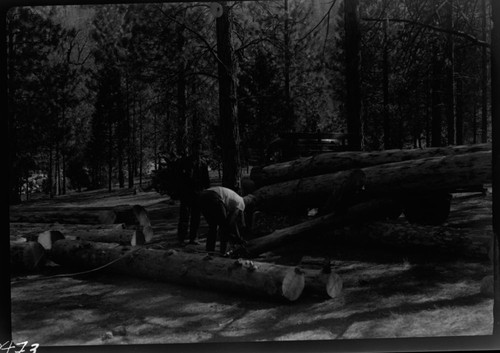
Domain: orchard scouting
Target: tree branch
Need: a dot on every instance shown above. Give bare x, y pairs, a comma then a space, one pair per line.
434, 28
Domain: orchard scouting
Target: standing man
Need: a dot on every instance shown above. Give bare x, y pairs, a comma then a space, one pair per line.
193, 179
222, 209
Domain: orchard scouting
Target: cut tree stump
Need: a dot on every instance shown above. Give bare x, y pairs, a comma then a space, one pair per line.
368, 211
201, 270
327, 163
132, 215
331, 190
27, 256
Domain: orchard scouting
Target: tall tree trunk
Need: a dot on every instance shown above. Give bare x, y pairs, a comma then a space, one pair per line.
385, 82
129, 139
141, 124
436, 101
460, 105
228, 108
57, 171
288, 98
449, 80
352, 57
495, 119
110, 153
49, 177
484, 78
181, 93
8, 61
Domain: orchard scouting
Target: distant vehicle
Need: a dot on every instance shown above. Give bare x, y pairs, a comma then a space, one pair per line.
293, 145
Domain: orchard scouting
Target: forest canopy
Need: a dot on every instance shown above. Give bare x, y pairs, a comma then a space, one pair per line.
100, 94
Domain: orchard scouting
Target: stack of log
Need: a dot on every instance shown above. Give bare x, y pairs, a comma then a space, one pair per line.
34, 231
352, 188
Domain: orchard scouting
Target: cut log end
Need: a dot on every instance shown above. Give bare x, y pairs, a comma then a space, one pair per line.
293, 284
141, 215
49, 237
142, 236
334, 284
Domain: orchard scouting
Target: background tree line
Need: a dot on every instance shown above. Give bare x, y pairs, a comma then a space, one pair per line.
100, 95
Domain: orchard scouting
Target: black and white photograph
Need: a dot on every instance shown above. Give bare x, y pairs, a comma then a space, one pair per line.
252, 172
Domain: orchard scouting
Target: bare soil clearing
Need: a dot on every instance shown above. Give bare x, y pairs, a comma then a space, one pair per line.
387, 293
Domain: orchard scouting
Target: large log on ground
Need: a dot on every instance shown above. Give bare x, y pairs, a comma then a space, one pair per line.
372, 210
27, 256
330, 190
31, 231
429, 174
327, 163
135, 214
201, 270
420, 239
132, 237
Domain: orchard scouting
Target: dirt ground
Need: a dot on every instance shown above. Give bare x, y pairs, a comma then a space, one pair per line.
386, 294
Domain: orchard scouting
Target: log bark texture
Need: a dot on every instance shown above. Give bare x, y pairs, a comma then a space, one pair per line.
327, 163
429, 174
32, 230
27, 256
131, 237
201, 270
132, 215
331, 190
423, 239
363, 212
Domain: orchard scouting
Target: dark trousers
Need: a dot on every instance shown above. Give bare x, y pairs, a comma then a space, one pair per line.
215, 213
189, 217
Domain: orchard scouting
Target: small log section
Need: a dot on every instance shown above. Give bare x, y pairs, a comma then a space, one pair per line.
372, 210
332, 189
201, 270
27, 256
327, 163
132, 215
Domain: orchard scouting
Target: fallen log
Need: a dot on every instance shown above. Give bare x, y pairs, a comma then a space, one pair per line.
32, 230
81, 216
201, 270
127, 214
132, 237
328, 190
442, 240
363, 212
430, 174
26, 256
327, 163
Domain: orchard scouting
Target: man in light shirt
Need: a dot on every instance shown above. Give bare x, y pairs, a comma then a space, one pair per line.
222, 209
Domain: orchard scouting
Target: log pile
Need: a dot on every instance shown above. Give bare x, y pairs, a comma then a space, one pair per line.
43, 226
359, 188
